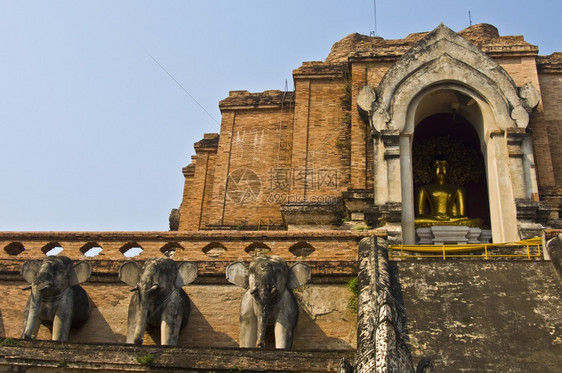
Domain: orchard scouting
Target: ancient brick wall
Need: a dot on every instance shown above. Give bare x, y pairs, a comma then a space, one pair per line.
254, 147
199, 177
320, 162
547, 132
522, 69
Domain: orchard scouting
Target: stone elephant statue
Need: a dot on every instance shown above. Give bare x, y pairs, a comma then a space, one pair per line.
57, 300
268, 281
158, 298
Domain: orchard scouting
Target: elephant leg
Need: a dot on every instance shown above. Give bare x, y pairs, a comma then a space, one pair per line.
170, 332
63, 317
283, 335
35, 330
286, 321
171, 322
248, 322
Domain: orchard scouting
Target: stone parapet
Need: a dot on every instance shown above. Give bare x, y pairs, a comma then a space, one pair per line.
195, 246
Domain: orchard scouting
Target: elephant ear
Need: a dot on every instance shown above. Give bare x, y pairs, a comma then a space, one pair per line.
187, 273
82, 271
29, 270
237, 274
130, 273
299, 274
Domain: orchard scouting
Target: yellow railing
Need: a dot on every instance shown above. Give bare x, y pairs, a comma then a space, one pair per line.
487, 250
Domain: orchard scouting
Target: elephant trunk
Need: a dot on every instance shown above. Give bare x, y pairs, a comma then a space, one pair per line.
265, 300
142, 316
262, 326
140, 326
32, 309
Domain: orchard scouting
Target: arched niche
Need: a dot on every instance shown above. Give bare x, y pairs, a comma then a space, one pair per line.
488, 118
431, 137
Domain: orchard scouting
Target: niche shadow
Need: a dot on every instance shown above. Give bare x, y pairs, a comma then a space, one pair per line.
196, 332
96, 329
309, 336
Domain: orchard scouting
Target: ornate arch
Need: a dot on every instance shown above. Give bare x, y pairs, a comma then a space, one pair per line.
441, 61
444, 57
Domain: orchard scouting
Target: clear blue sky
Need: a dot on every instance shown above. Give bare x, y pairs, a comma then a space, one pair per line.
94, 133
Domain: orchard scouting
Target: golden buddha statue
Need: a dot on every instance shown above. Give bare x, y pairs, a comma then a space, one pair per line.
447, 202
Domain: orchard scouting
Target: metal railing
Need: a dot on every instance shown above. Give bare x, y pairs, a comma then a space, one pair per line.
529, 249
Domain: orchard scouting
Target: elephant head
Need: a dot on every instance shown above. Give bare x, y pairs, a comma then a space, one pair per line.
57, 300
268, 281
158, 298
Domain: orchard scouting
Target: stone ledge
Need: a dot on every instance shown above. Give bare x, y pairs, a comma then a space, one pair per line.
265, 100
52, 356
166, 236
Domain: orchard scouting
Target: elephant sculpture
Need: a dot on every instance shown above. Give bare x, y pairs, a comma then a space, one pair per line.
268, 281
57, 300
158, 298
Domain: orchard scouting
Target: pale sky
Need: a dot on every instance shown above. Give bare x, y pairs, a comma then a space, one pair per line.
94, 133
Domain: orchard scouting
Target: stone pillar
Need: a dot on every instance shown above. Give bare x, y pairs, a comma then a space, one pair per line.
380, 182
391, 140
503, 214
519, 175
407, 190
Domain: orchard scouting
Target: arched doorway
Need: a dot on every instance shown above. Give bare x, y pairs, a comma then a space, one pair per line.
446, 74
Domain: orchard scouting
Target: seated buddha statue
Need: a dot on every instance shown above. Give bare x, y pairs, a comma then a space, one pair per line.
447, 202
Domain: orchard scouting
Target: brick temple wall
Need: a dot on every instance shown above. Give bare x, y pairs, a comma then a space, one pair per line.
311, 145
254, 146
325, 322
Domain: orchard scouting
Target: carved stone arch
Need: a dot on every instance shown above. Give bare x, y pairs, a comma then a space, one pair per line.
444, 56
445, 61
448, 73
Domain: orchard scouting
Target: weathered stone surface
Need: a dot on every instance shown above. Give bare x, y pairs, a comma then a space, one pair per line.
530, 95
481, 316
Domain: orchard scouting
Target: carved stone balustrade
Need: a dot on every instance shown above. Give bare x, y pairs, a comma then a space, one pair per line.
197, 246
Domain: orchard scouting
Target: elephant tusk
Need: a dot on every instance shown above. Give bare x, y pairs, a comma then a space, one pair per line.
154, 288
136, 288
43, 286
